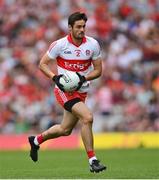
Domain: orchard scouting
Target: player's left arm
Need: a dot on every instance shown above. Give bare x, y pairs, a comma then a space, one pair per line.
96, 62
97, 70
95, 73
97, 65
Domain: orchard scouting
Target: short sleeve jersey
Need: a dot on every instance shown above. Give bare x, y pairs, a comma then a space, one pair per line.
75, 58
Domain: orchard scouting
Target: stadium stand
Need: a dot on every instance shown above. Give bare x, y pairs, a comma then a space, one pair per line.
126, 98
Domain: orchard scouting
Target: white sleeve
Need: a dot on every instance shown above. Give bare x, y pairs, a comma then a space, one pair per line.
97, 51
54, 49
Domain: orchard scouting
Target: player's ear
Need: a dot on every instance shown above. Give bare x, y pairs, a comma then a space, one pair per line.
69, 28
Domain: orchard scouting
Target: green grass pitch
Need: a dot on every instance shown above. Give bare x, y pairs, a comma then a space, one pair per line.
73, 164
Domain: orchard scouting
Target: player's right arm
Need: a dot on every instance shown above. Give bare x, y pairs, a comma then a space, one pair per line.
49, 56
44, 66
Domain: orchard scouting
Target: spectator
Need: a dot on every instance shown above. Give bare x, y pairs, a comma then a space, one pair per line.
128, 33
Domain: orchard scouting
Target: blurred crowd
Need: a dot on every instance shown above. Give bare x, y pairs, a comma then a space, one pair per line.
126, 98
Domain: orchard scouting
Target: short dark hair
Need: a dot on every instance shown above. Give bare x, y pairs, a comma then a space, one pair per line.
75, 17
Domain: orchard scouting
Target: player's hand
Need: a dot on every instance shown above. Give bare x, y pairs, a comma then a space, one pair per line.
82, 80
56, 79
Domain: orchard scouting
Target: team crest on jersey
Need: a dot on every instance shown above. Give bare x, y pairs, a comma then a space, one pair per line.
88, 52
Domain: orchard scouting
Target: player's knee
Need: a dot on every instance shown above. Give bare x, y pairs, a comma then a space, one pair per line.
88, 118
66, 132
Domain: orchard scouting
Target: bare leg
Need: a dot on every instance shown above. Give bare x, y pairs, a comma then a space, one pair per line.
63, 129
86, 117
79, 111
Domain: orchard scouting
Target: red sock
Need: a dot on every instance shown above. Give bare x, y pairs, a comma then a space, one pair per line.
40, 138
90, 154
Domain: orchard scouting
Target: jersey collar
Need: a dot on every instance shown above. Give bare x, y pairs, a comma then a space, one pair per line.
69, 37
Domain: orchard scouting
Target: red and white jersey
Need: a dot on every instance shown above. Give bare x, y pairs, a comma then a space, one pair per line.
75, 58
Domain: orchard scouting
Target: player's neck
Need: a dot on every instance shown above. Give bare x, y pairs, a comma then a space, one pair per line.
78, 42
75, 41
